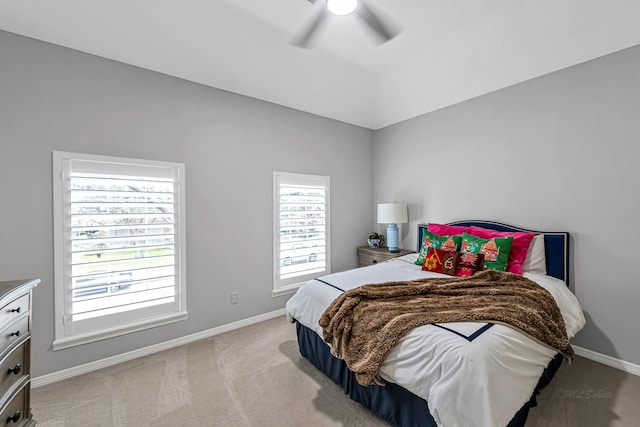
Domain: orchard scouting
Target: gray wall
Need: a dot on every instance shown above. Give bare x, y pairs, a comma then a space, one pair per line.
52, 98
559, 152
556, 153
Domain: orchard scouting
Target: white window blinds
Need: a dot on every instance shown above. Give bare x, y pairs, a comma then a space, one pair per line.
120, 253
301, 229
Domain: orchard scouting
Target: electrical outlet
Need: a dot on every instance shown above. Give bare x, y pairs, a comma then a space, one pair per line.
234, 297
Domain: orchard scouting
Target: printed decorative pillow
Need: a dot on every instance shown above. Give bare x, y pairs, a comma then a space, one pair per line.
495, 250
519, 247
441, 261
430, 240
447, 230
469, 264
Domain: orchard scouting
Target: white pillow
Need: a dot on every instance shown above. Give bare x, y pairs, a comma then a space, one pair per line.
535, 261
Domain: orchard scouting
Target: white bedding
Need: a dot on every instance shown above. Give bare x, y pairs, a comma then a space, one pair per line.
482, 381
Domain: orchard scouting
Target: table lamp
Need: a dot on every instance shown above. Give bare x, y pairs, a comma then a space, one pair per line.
392, 214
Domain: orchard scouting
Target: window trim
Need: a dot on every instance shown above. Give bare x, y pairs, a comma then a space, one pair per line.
301, 178
62, 339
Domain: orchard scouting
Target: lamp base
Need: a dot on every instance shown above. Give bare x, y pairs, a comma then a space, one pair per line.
393, 238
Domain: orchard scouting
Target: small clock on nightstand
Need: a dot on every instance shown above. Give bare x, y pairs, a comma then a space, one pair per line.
370, 256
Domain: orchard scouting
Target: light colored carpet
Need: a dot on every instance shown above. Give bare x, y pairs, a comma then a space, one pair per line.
255, 376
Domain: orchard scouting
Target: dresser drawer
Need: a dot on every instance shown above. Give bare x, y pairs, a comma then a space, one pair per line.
17, 410
13, 368
13, 333
14, 309
15, 352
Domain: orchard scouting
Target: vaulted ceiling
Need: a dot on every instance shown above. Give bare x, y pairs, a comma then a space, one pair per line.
447, 51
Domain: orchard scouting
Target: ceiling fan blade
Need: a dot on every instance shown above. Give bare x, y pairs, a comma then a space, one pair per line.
382, 27
304, 37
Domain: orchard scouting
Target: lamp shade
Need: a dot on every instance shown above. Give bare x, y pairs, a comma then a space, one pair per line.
392, 213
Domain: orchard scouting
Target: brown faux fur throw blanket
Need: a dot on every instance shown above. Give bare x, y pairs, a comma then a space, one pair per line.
363, 324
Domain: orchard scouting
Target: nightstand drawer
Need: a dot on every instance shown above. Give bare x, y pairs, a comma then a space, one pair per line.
369, 259
371, 256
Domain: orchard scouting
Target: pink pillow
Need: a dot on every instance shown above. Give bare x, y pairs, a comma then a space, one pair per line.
519, 247
448, 230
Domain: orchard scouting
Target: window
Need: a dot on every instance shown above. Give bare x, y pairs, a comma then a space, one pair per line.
119, 246
301, 229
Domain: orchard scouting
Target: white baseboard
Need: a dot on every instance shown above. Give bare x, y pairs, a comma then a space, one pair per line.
114, 360
628, 367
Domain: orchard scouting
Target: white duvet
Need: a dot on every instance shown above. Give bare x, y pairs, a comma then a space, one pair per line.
481, 381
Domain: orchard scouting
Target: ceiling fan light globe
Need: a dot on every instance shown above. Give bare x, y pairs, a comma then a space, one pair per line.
342, 7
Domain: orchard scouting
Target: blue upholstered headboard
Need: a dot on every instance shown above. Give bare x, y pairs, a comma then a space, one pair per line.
556, 245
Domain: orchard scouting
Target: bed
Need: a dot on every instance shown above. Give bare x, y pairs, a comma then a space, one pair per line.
453, 374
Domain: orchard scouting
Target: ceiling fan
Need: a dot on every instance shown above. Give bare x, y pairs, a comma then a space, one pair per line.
382, 27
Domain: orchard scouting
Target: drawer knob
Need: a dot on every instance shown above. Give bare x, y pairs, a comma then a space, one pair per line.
15, 310
375, 261
15, 418
17, 334
15, 370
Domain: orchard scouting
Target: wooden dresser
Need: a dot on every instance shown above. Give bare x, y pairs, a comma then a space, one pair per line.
15, 352
370, 256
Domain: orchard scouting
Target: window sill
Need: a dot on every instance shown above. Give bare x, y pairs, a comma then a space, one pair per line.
68, 342
287, 290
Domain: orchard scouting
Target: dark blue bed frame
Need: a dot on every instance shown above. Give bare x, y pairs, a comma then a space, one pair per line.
394, 403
